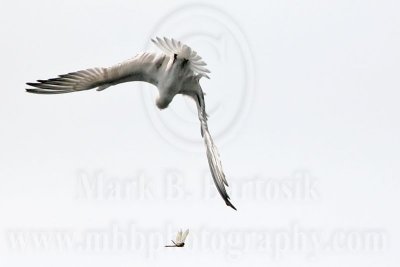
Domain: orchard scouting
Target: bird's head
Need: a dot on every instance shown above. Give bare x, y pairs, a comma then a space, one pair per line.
163, 102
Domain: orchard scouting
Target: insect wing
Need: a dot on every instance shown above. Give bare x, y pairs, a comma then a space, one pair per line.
185, 234
178, 237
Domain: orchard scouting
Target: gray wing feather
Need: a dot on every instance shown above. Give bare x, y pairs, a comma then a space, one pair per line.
71, 82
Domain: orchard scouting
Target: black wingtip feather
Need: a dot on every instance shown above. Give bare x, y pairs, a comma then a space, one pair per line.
31, 90
46, 92
228, 203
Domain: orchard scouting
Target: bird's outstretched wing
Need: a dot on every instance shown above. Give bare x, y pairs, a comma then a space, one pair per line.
212, 153
143, 67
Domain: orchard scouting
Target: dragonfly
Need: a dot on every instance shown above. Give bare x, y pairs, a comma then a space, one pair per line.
179, 240
177, 70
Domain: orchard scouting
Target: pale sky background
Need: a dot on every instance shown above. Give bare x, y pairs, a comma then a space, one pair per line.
304, 106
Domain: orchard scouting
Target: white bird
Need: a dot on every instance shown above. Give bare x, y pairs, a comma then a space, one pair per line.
179, 240
175, 71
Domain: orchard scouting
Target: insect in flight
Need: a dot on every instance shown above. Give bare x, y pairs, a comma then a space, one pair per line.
179, 240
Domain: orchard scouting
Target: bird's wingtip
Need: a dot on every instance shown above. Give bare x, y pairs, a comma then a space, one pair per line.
228, 203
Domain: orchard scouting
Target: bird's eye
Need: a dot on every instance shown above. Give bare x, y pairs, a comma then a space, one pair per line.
175, 56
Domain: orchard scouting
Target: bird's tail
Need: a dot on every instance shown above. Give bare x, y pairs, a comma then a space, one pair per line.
72, 82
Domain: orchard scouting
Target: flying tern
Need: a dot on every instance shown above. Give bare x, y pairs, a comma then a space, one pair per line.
177, 70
